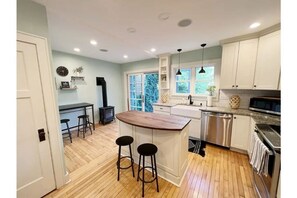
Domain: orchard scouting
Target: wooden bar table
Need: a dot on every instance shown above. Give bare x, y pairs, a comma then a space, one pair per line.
169, 133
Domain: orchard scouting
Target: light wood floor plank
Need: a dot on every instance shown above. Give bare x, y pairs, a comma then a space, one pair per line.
91, 163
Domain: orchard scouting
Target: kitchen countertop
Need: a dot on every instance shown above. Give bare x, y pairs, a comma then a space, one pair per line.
153, 121
164, 104
260, 118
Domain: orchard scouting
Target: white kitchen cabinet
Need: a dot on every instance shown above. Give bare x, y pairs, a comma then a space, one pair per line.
164, 61
160, 109
268, 66
252, 129
229, 65
195, 128
240, 132
238, 64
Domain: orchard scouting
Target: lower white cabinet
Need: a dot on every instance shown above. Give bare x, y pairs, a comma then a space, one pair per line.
252, 129
240, 132
161, 109
195, 127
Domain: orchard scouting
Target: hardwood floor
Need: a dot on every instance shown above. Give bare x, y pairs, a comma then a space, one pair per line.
91, 163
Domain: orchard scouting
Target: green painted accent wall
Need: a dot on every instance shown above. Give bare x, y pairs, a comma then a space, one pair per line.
186, 57
88, 91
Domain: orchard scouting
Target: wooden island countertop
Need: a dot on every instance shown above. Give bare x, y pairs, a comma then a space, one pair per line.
153, 120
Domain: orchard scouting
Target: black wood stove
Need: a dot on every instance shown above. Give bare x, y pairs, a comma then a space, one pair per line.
106, 113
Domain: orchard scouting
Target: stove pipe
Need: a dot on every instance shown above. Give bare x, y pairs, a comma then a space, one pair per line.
101, 82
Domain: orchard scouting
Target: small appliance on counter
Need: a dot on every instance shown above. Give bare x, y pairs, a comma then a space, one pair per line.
266, 104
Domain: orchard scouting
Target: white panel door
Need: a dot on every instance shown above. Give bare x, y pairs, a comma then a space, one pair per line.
35, 176
240, 132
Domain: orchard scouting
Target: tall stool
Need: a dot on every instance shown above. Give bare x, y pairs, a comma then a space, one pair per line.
124, 141
65, 121
86, 124
147, 149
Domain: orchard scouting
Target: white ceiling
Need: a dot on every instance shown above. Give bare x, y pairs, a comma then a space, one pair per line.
73, 23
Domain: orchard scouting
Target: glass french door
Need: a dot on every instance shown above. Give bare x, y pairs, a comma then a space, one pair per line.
143, 91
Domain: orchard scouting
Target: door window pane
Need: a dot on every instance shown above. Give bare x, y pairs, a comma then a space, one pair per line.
151, 91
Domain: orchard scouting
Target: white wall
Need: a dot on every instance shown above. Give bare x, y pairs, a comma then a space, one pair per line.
88, 91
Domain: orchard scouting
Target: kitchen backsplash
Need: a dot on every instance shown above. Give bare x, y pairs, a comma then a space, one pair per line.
223, 97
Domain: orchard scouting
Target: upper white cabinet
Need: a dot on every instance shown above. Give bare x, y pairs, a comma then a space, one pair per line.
240, 132
267, 72
238, 64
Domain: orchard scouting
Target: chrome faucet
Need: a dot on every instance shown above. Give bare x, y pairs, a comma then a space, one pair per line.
190, 98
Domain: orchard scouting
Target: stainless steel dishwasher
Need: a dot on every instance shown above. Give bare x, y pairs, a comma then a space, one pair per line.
216, 128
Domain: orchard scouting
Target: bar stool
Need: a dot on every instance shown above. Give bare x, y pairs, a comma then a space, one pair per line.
124, 141
65, 121
147, 149
86, 122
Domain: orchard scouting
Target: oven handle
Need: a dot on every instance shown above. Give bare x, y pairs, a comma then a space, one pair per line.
260, 133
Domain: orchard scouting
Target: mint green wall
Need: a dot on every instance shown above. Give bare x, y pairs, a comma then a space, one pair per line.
186, 57
196, 55
140, 65
89, 91
32, 18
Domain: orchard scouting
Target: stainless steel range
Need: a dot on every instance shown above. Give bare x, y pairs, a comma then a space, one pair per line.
267, 185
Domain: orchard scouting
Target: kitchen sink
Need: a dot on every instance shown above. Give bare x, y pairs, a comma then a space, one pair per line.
186, 111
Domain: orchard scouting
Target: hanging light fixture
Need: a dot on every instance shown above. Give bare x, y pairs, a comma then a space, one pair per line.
178, 73
202, 70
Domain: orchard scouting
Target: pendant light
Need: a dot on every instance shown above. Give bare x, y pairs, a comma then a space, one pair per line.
202, 70
178, 73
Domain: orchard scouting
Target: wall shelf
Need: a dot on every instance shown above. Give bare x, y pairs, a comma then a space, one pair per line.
77, 78
66, 89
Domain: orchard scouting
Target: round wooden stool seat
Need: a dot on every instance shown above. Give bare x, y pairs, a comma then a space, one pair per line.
147, 149
64, 121
124, 140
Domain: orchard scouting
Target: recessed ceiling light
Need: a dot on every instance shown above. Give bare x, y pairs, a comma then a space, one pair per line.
76, 49
93, 42
164, 16
184, 23
131, 30
254, 25
103, 50
125, 56
153, 50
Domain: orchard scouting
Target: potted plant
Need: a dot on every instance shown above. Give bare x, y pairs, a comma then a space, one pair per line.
211, 89
78, 70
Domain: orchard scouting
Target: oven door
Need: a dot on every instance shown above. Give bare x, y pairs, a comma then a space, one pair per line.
266, 185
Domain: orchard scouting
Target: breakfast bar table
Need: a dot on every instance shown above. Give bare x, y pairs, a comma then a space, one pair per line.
169, 133
83, 105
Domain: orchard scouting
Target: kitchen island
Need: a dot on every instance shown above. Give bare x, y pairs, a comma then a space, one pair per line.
169, 133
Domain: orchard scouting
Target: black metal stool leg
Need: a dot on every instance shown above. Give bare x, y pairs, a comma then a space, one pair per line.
156, 173
138, 167
69, 133
143, 175
132, 161
78, 127
90, 126
84, 127
152, 162
118, 162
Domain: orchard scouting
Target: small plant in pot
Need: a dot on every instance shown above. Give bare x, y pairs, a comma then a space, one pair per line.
78, 70
211, 89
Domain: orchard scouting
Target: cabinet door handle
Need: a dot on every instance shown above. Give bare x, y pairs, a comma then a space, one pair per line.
255, 86
236, 85
234, 117
232, 85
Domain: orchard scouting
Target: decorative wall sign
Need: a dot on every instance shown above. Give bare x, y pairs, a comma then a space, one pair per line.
65, 84
62, 71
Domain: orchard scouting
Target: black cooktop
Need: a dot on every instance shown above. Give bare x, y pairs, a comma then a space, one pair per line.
276, 128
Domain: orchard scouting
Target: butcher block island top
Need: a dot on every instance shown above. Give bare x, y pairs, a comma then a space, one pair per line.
153, 120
